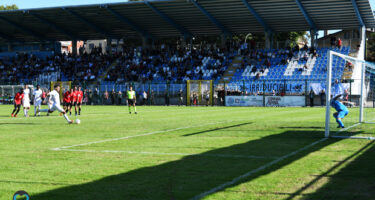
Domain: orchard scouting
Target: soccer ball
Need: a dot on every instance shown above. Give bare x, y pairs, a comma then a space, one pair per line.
78, 121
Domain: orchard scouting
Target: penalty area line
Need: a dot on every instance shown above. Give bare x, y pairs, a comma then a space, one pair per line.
170, 154
133, 136
243, 176
350, 137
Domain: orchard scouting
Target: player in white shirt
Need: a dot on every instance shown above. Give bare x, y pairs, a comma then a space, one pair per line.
26, 101
54, 100
37, 99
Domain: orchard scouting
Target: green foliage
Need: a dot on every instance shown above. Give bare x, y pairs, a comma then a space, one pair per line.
292, 37
9, 7
371, 47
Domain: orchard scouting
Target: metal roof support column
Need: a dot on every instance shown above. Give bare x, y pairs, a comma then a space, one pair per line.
27, 30
109, 46
307, 16
10, 47
312, 38
53, 25
84, 20
259, 19
6, 37
129, 22
181, 29
223, 40
356, 10
268, 36
211, 18
74, 47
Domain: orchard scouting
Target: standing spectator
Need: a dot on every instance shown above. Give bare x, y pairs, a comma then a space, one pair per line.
333, 41
152, 97
311, 95
119, 97
339, 43
207, 97
195, 99
346, 95
96, 96
106, 97
322, 97
44, 94
144, 95
167, 98
113, 97
90, 97
181, 98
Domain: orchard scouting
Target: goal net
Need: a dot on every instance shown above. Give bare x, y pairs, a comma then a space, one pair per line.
199, 92
64, 86
357, 94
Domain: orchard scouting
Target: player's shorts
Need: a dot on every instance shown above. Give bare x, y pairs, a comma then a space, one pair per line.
56, 107
342, 114
130, 101
74, 103
26, 103
17, 105
67, 104
79, 103
38, 103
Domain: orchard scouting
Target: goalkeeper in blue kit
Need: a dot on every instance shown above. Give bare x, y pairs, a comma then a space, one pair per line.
341, 109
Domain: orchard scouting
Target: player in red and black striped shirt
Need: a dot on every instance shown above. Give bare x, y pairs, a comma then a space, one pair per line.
67, 102
73, 100
17, 102
79, 99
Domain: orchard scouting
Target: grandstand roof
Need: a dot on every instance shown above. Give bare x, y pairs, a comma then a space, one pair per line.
167, 18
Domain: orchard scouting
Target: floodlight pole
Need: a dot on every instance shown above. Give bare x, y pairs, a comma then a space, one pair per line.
362, 98
328, 93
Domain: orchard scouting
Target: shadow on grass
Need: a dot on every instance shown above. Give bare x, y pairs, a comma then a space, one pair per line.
303, 127
354, 181
193, 175
217, 129
14, 123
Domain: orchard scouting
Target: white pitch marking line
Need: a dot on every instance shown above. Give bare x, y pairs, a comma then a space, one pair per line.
347, 128
162, 153
243, 176
132, 136
351, 137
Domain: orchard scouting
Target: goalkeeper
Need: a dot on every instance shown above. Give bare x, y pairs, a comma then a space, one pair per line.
341, 109
131, 99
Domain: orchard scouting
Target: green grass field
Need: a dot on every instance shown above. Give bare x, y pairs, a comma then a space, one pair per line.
185, 153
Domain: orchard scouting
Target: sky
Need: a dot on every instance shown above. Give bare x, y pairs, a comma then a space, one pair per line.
25, 4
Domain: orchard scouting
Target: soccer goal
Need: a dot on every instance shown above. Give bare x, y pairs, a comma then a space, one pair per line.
357, 94
64, 85
197, 92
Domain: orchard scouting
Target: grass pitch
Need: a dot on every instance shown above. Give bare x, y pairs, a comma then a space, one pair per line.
185, 153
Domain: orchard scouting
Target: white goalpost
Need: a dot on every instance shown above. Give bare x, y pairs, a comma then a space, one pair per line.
365, 100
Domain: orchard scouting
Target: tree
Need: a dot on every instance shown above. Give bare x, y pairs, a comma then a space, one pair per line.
9, 7
370, 47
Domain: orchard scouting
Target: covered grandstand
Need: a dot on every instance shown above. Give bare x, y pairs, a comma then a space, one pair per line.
238, 70
167, 18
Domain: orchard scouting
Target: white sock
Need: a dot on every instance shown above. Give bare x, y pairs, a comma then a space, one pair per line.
24, 112
34, 110
66, 117
39, 107
43, 110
